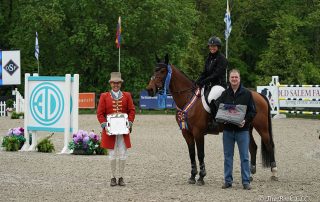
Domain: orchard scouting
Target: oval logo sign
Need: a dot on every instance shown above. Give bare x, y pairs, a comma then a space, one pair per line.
46, 103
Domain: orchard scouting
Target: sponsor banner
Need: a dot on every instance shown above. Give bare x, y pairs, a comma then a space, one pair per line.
304, 97
10, 73
299, 97
87, 100
148, 102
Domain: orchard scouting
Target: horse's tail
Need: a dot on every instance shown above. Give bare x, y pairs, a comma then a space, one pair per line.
267, 150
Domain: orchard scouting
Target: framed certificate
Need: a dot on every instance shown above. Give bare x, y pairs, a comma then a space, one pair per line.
117, 124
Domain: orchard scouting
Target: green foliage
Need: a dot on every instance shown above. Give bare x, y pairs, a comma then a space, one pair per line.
101, 151
13, 143
9, 103
46, 145
269, 37
16, 115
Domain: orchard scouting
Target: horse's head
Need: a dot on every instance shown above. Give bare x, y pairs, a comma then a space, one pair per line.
158, 78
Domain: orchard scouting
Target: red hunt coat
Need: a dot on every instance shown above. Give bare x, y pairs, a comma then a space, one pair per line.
107, 105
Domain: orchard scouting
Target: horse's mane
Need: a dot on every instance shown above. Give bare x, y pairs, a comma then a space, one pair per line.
184, 73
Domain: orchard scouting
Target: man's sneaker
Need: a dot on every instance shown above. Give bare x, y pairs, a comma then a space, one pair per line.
121, 182
247, 186
226, 186
113, 182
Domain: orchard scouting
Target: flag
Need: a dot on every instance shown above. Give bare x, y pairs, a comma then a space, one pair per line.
36, 50
118, 37
227, 20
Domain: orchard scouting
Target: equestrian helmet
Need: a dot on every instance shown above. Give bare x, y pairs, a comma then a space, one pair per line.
214, 41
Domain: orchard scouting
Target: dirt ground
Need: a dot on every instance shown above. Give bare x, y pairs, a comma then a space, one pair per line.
158, 167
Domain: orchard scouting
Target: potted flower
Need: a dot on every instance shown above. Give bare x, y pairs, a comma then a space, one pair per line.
46, 145
9, 105
14, 139
84, 142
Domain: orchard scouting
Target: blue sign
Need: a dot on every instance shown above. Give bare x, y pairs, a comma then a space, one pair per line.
155, 102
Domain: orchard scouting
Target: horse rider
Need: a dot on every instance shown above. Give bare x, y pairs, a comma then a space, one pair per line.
214, 73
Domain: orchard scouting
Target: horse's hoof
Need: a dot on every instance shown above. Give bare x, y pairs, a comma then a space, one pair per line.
274, 178
253, 169
192, 180
251, 179
200, 182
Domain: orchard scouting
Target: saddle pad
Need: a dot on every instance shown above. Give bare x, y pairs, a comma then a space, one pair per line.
231, 113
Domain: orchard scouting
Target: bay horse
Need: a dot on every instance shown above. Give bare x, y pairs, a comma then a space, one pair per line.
197, 118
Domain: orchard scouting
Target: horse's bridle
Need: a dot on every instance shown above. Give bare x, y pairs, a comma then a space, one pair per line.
168, 67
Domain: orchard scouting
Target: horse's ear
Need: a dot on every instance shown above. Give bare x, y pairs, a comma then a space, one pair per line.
157, 58
166, 59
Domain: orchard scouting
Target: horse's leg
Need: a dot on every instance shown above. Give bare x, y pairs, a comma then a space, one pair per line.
253, 153
192, 154
200, 148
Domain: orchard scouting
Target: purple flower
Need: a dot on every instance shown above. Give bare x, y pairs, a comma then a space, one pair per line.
86, 139
16, 132
91, 135
75, 139
94, 137
79, 136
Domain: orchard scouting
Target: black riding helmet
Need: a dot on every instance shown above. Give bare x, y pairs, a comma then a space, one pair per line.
214, 41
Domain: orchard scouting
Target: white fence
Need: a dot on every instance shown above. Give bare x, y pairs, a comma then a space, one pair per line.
18, 104
2, 108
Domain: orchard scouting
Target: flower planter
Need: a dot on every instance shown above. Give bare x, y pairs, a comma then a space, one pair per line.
82, 152
9, 114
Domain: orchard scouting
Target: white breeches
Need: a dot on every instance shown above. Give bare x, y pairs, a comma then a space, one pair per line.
215, 92
120, 149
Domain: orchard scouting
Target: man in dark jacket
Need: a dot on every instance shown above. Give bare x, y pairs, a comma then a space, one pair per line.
214, 73
236, 94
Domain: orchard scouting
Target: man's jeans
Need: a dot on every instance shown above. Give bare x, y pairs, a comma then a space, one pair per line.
242, 138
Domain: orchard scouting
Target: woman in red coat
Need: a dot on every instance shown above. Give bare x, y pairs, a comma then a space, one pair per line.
114, 102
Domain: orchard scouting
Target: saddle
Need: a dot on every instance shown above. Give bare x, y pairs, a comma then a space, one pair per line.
208, 96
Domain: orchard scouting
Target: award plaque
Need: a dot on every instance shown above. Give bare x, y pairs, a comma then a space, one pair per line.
117, 124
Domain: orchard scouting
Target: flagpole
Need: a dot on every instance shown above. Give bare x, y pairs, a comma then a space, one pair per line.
227, 20
119, 59
227, 58
38, 68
